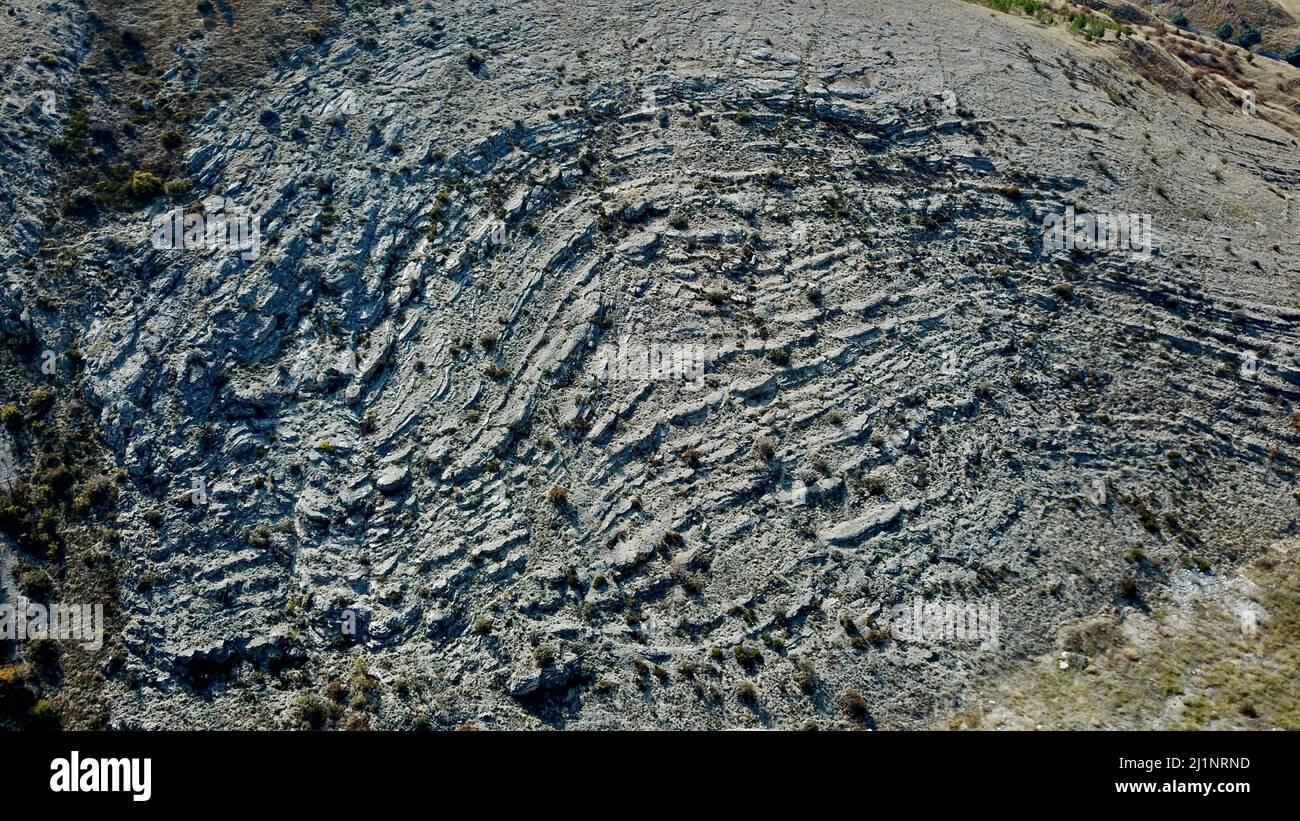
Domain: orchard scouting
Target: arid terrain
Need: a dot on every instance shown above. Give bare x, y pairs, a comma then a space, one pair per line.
392, 455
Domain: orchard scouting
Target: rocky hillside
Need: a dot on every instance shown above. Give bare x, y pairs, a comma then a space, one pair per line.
393, 458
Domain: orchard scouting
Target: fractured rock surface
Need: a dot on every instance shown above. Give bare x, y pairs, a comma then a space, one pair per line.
407, 452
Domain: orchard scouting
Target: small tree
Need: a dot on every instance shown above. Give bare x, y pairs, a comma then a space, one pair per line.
1293, 56
1250, 37
1225, 31
1180, 19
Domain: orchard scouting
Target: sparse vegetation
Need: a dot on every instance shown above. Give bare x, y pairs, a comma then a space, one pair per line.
778, 356
746, 693
855, 705
144, 185
558, 496
747, 656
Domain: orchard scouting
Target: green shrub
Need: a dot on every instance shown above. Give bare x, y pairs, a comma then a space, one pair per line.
1225, 31
746, 693
44, 716
35, 582
40, 400
805, 676
144, 185
311, 712
260, 536
16, 697
747, 657
778, 357
98, 492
